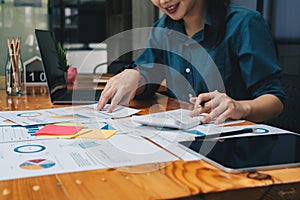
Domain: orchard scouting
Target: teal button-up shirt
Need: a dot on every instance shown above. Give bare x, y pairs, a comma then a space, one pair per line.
244, 64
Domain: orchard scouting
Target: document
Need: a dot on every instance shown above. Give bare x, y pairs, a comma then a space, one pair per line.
258, 129
119, 111
169, 138
44, 157
166, 138
18, 133
32, 117
86, 113
6, 122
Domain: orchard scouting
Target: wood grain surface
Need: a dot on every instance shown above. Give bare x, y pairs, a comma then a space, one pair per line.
187, 180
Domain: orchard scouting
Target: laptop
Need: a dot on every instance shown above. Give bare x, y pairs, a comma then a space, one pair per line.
56, 81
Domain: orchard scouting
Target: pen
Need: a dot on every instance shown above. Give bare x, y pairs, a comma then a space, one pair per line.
224, 134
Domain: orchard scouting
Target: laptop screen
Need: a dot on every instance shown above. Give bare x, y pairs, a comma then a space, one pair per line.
56, 80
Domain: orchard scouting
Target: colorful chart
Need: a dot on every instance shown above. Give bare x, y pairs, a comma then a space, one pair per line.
32, 129
30, 148
37, 164
74, 116
195, 132
29, 114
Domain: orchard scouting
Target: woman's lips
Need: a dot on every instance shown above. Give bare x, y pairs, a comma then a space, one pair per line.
172, 9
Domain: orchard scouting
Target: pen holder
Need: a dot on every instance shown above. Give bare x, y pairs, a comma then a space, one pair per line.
14, 74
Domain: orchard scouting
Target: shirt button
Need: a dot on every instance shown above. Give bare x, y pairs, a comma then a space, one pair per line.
186, 44
190, 95
187, 70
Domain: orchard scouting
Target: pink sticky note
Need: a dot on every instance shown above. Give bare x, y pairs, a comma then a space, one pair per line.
52, 129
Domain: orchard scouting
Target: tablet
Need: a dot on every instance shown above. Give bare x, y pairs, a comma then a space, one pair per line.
250, 153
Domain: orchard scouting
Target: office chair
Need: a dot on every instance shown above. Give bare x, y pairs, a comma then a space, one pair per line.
284, 20
289, 119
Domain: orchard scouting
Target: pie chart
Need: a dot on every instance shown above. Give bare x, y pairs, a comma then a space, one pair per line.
29, 114
29, 148
37, 164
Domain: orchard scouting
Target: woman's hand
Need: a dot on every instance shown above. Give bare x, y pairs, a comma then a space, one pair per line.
120, 88
219, 106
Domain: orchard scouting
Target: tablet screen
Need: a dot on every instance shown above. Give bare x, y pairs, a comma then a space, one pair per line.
252, 152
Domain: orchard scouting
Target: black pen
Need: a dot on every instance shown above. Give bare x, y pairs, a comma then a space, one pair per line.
224, 134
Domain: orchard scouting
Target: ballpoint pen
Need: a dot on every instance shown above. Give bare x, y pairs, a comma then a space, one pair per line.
224, 134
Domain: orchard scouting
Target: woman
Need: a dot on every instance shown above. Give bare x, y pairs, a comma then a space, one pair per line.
237, 40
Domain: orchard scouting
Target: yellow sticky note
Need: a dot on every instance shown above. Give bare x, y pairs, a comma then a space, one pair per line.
88, 133
96, 134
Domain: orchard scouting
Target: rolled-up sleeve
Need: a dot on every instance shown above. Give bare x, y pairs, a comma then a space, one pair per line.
257, 58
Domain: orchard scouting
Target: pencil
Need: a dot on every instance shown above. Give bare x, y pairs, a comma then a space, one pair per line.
17, 54
8, 89
224, 134
16, 63
9, 44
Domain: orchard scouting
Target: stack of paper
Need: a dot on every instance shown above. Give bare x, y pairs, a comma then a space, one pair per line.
72, 121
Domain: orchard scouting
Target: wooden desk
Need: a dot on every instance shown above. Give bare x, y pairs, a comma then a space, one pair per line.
197, 179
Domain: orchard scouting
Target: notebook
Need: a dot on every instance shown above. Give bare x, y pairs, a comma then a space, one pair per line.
56, 81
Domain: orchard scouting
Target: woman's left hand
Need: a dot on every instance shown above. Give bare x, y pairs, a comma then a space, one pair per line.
219, 106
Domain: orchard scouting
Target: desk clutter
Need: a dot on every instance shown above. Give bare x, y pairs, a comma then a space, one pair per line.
78, 138
68, 139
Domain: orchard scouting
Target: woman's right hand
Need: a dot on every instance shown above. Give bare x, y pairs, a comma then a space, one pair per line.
121, 88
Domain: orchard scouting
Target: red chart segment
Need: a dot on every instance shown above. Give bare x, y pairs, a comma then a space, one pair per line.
37, 164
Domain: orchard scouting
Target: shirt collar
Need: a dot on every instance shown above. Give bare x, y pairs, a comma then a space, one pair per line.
174, 25
207, 19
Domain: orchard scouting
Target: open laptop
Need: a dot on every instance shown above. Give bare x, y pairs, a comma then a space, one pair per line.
56, 81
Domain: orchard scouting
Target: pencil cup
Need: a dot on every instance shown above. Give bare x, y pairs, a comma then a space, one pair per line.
14, 74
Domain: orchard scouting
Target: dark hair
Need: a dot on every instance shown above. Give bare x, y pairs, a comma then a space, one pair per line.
217, 10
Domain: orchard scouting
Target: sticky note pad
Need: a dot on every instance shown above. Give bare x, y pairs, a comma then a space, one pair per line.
57, 130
